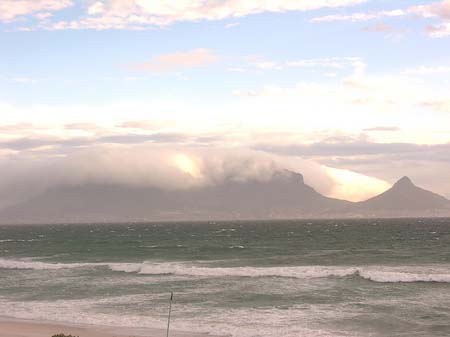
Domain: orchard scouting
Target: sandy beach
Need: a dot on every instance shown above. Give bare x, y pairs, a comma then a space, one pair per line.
10, 327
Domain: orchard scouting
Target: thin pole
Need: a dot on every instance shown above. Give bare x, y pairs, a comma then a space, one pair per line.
170, 310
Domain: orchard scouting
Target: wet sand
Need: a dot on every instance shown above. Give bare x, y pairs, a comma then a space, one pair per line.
10, 327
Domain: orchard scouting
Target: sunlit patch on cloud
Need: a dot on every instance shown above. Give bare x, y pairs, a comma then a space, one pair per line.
354, 186
186, 164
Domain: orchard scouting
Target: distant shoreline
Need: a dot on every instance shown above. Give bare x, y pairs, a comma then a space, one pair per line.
143, 222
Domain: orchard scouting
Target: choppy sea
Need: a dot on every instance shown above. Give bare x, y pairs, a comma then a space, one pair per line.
241, 279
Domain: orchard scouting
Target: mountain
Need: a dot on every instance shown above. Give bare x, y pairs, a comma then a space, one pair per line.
403, 199
285, 195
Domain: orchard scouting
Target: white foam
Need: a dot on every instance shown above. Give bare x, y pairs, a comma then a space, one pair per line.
373, 273
402, 277
237, 322
37, 265
13, 240
192, 270
384, 274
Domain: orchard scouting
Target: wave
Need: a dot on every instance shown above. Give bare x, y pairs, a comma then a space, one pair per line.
381, 274
403, 277
13, 240
192, 270
37, 265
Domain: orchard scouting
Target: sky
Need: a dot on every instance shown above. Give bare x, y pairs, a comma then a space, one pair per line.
354, 94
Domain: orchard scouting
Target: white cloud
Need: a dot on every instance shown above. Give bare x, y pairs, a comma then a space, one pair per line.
360, 16
177, 61
12, 9
427, 70
138, 14
43, 15
440, 31
439, 105
435, 10
439, 10
24, 80
266, 65
355, 186
96, 8
171, 11
237, 70
168, 167
379, 27
334, 63
232, 24
354, 103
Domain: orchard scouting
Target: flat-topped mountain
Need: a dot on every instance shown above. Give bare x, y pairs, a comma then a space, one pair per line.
283, 196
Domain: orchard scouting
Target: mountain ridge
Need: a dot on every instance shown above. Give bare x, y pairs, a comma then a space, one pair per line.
284, 196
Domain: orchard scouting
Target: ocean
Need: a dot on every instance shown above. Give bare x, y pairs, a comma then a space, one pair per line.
241, 279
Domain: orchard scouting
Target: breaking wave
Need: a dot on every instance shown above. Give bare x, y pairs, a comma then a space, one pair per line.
38, 265
375, 274
403, 277
383, 274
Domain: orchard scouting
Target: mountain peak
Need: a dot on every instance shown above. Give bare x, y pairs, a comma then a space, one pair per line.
288, 175
404, 182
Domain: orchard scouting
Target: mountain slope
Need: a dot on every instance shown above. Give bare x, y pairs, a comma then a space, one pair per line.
285, 195
404, 199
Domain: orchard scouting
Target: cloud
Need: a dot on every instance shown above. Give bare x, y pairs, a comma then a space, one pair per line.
437, 105
330, 63
355, 17
266, 65
435, 9
12, 9
333, 63
43, 15
138, 165
171, 11
439, 10
167, 168
379, 27
383, 128
147, 124
138, 14
428, 165
86, 126
97, 7
232, 25
442, 30
24, 80
177, 61
348, 183
427, 70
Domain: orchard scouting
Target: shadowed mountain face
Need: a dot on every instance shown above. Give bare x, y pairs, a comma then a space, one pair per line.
285, 195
